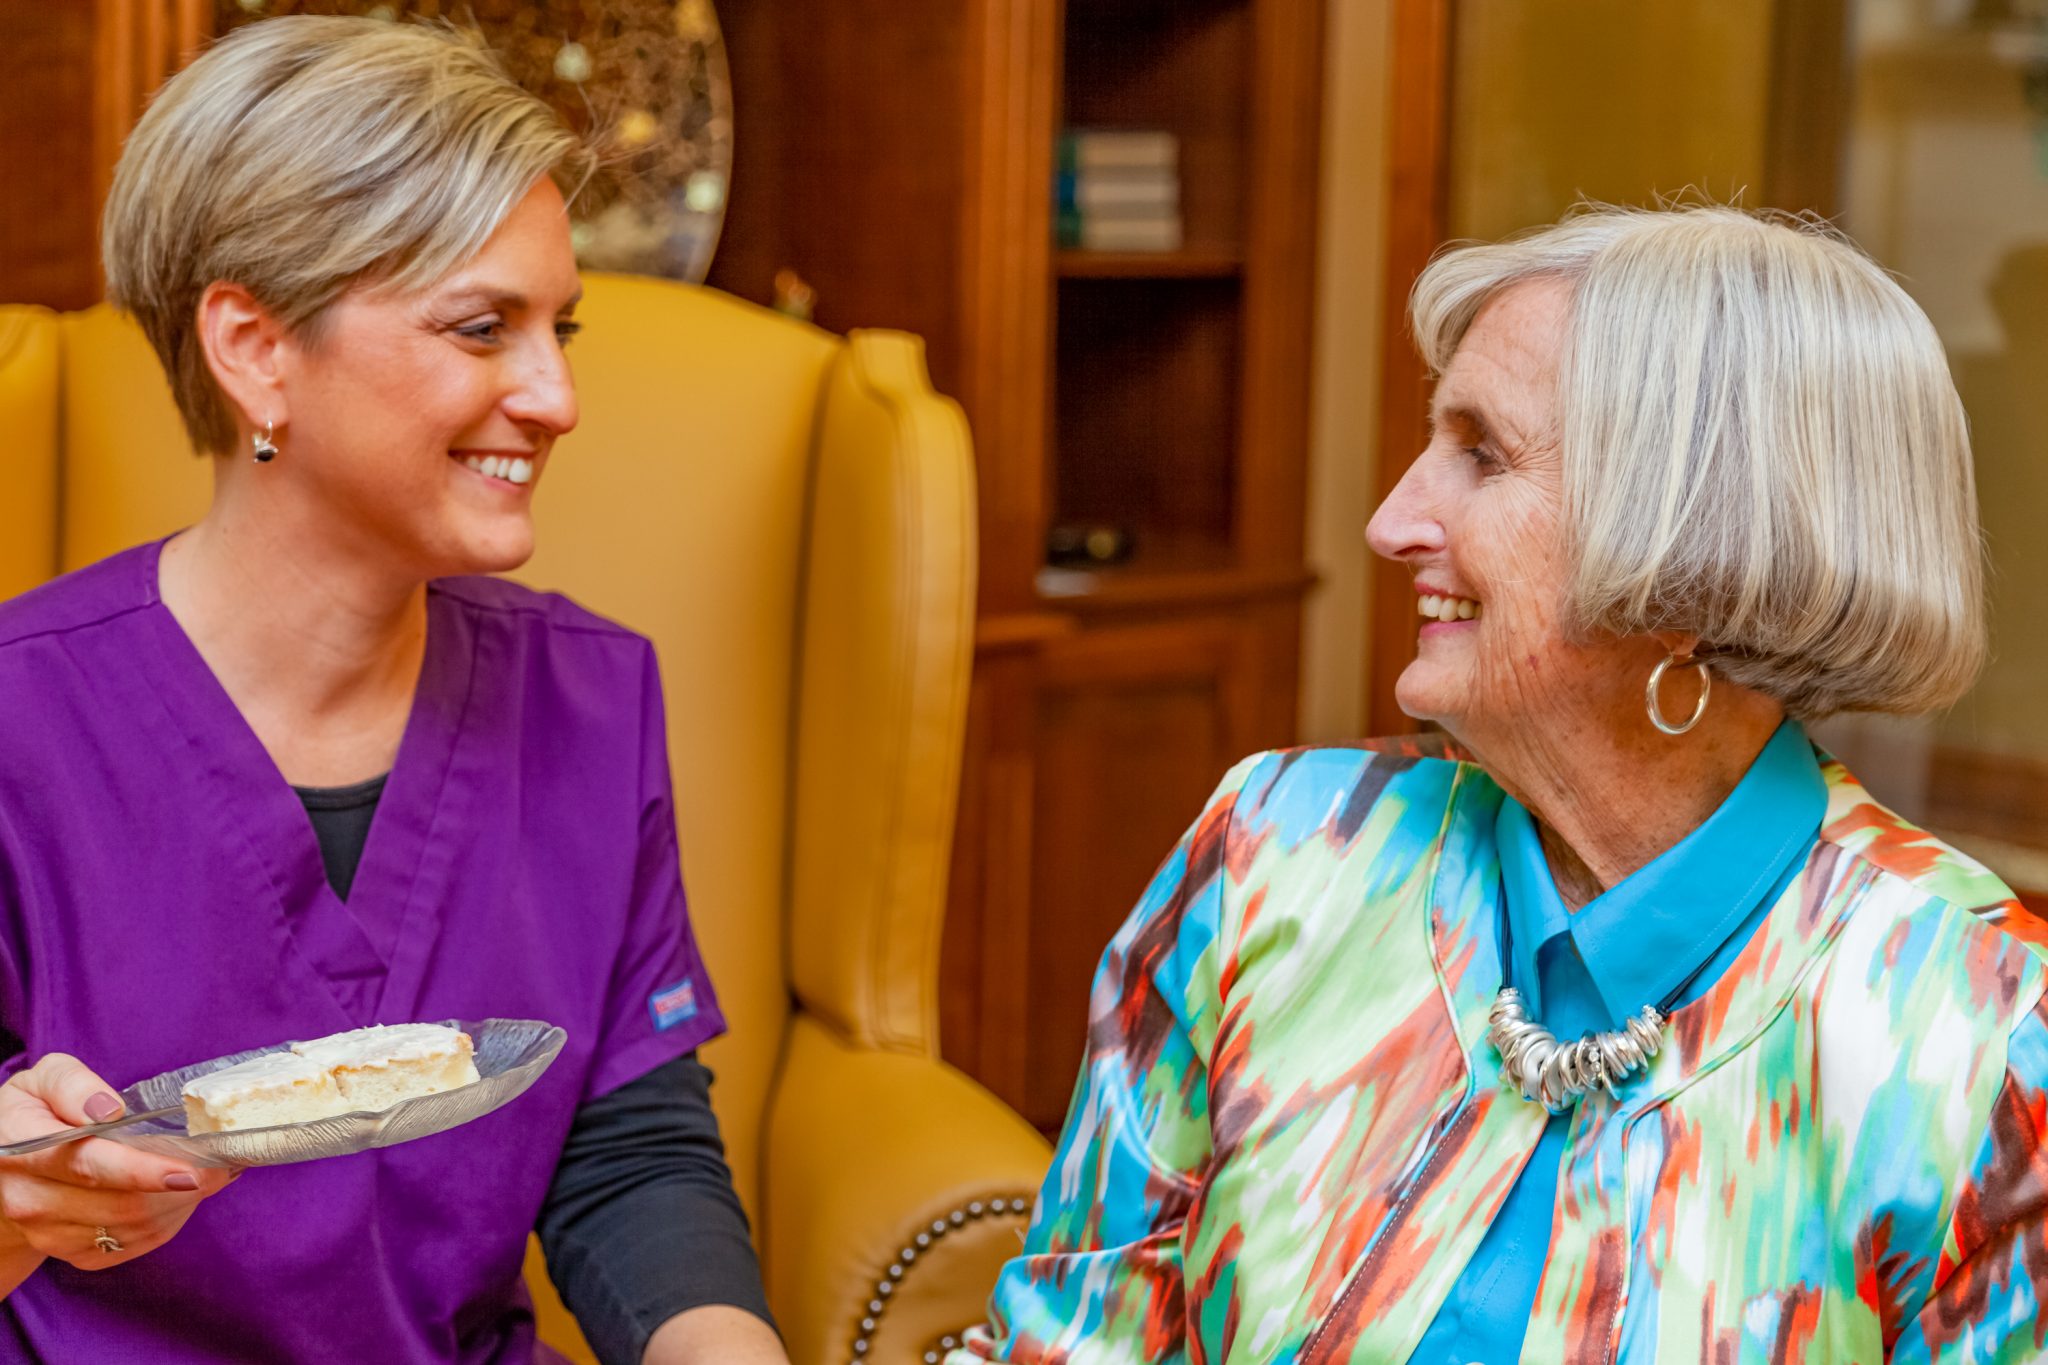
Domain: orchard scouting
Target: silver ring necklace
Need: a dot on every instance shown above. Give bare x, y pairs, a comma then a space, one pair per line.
1557, 1075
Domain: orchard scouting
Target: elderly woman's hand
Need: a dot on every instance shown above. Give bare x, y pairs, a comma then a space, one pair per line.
59, 1202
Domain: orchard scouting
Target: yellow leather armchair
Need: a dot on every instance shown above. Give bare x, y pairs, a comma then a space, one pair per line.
789, 515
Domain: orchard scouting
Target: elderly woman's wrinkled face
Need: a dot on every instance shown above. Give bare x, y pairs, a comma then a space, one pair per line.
1478, 519
423, 420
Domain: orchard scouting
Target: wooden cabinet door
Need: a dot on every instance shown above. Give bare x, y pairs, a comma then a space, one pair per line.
1133, 727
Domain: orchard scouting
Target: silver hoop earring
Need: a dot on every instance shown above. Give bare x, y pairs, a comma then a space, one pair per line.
1655, 707
265, 446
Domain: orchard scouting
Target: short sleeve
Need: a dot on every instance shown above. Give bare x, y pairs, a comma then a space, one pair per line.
660, 1004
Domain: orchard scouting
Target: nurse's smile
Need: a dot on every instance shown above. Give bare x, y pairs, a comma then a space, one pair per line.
512, 468
472, 370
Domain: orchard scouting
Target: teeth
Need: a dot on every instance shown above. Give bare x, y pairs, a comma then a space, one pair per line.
511, 468
1436, 608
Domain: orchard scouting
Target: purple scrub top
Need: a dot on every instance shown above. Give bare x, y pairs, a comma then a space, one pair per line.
163, 901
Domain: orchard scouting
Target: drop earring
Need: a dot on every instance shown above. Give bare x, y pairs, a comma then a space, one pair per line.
264, 446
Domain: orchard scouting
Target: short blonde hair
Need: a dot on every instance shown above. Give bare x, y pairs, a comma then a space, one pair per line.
1761, 446
304, 155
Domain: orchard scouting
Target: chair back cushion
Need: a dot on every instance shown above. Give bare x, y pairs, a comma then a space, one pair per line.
677, 507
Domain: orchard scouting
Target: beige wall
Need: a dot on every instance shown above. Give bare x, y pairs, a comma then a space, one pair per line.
1616, 100
1345, 414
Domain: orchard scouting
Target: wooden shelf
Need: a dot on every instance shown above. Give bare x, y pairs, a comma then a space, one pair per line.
1148, 265
1146, 403
1140, 586
1019, 631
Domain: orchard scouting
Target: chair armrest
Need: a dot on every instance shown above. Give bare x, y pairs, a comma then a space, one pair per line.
891, 1180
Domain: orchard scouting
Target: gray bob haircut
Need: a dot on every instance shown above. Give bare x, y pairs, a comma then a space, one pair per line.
1761, 446
302, 156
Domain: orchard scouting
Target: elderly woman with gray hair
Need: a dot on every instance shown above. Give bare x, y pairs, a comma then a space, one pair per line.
1628, 1026
302, 768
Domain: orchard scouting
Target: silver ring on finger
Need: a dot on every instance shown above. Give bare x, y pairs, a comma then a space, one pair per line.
107, 1242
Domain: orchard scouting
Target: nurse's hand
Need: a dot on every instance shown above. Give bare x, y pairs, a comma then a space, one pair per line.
56, 1202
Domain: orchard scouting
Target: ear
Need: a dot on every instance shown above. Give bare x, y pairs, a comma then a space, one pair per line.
247, 351
1681, 644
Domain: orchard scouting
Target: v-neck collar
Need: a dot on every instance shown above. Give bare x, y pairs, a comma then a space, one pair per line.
260, 817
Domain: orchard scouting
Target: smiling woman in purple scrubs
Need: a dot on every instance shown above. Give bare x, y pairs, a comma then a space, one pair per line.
295, 770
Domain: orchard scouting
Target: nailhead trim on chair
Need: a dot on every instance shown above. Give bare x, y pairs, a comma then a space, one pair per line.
907, 1257
938, 1352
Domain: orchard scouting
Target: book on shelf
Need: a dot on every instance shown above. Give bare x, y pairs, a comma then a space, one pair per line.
1126, 234
1150, 191
1118, 149
1118, 190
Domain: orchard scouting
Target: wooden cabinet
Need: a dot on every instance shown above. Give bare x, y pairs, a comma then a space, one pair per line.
899, 155
1090, 752
1134, 725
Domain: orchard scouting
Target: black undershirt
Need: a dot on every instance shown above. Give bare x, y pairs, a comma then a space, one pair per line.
341, 821
641, 1222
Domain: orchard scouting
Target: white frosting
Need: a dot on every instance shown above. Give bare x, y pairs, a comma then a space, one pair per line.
367, 1069
379, 1045
269, 1073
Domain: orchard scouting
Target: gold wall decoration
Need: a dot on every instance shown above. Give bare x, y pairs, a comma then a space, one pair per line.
646, 80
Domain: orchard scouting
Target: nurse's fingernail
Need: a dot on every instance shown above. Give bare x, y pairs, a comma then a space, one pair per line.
102, 1107
181, 1180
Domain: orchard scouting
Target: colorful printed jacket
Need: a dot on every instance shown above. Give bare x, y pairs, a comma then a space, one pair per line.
1290, 1133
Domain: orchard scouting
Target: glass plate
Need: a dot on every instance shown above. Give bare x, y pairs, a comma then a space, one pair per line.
510, 1055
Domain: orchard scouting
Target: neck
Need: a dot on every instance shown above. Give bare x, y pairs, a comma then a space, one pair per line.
1608, 799
313, 638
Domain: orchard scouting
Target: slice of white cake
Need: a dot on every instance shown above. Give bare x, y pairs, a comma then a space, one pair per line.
364, 1069
278, 1087
376, 1067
